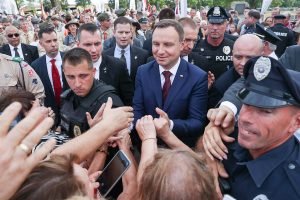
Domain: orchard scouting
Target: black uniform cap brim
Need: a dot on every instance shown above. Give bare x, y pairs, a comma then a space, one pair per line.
216, 20
252, 98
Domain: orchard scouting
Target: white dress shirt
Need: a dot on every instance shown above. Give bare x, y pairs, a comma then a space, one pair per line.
58, 63
97, 67
19, 50
117, 54
173, 70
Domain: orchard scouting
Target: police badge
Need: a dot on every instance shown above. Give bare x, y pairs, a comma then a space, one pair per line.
226, 50
262, 68
216, 11
76, 131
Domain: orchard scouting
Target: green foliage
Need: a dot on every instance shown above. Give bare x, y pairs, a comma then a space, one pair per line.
64, 4
83, 3
122, 4
277, 3
19, 3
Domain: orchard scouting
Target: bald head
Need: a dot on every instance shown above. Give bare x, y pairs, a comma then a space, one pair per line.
10, 28
12, 35
245, 47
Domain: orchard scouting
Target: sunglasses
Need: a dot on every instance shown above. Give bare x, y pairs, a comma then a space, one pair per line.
12, 35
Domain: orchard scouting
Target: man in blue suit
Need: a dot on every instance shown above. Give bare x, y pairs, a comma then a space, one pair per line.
170, 87
49, 69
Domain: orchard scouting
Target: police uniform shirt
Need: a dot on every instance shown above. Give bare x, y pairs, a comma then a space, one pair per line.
73, 117
272, 176
287, 38
219, 57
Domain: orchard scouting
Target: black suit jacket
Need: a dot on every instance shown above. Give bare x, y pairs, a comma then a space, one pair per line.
220, 86
138, 57
148, 46
40, 67
114, 72
291, 59
30, 52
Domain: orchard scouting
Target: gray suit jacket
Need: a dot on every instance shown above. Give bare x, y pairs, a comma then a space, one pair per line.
291, 59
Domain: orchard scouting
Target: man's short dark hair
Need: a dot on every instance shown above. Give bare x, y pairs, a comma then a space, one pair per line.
165, 23
121, 20
76, 56
166, 13
45, 27
89, 27
254, 13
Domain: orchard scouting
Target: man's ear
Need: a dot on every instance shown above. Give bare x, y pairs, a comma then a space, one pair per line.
295, 123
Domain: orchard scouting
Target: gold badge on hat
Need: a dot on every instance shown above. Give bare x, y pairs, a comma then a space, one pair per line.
76, 131
226, 50
262, 68
216, 11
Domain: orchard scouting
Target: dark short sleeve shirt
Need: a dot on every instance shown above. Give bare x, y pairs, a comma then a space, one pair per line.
219, 57
272, 176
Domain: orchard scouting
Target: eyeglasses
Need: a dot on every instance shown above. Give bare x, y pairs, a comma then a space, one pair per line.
12, 35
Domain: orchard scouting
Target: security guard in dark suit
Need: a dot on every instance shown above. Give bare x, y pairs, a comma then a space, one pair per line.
265, 162
215, 47
285, 34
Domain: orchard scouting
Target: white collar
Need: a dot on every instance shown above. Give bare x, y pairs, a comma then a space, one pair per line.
119, 48
173, 70
12, 47
57, 58
97, 63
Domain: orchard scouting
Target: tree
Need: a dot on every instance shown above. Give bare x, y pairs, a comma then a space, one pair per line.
55, 3
83, 3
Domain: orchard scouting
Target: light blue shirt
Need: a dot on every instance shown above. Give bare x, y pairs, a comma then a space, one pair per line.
117, 54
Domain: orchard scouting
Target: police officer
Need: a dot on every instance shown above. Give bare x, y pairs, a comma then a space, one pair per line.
285, 34
264, 163
16, 74
86, 94
269, 38
216, 48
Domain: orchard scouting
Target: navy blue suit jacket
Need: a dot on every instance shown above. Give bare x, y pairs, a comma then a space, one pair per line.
186, 103
40, 67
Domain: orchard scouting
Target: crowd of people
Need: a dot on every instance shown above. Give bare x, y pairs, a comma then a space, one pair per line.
204, 107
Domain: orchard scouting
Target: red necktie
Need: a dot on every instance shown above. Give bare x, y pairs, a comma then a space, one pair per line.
167, 84
104, 35
56, 82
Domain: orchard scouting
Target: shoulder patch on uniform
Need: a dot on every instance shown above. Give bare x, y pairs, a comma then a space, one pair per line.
30, 72
24, 64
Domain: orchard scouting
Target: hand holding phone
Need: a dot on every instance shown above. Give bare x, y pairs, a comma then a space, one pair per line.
113, 172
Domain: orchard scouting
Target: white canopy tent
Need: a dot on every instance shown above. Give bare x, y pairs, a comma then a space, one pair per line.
8, 6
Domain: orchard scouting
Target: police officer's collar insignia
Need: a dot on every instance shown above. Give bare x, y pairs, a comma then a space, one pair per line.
216, 11
226, 50
262, 68
76, 131
261, 197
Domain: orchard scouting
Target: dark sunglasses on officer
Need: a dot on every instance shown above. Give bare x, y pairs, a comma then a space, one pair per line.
12, 35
